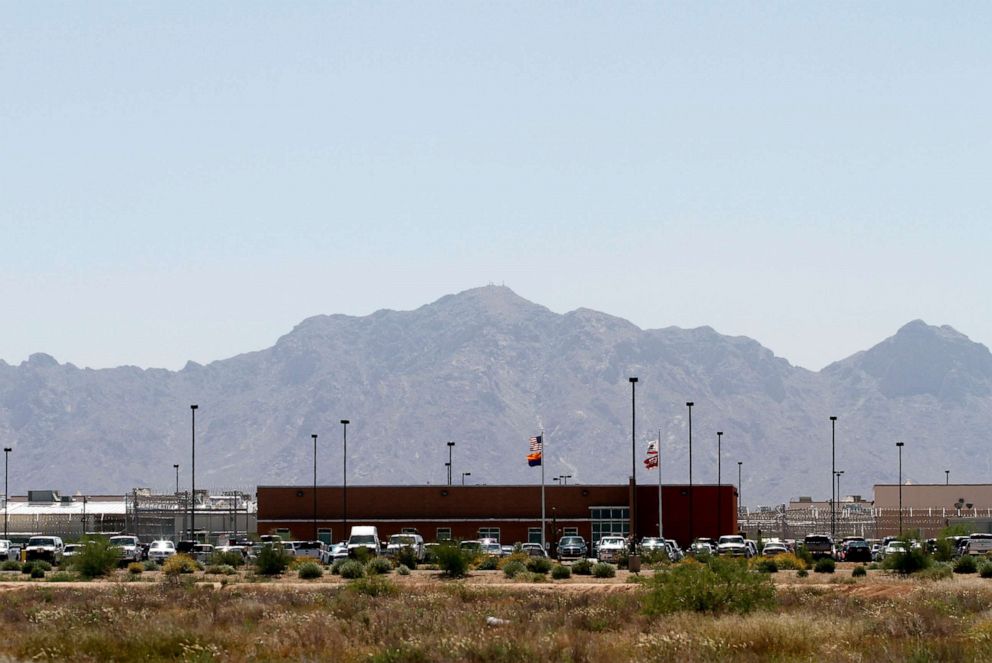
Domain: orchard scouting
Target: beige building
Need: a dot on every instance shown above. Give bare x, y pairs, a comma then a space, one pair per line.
963, 497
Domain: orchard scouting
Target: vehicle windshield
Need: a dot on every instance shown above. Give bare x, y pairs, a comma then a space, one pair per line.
613, 541
162, 544
571, 541
362, 539
651, 539
402, 540
897, 544
41, 541
732, 539
817, 539
857, 544
122, 540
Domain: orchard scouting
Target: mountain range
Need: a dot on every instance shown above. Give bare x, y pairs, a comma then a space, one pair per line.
487, 369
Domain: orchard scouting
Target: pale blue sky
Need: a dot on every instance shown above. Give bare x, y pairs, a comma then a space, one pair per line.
188, 181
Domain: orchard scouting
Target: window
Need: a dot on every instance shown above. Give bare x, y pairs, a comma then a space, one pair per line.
571, 531
443, 534
324, 534
282, 533
533, 535
609, 521
489, 533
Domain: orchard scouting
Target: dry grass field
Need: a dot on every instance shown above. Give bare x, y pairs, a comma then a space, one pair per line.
486, 617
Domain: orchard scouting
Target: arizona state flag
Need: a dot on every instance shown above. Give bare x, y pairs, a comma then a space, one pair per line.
536, 451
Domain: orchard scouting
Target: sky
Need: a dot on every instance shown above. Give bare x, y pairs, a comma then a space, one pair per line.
188, 181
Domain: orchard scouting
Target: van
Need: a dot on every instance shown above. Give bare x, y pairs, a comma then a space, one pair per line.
363, 536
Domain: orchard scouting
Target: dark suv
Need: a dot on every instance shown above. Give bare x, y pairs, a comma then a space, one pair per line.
572, 547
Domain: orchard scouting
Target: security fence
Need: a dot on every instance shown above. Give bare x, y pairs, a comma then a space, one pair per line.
858, 520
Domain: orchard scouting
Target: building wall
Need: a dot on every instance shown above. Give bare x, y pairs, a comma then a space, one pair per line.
512, 509
933, 496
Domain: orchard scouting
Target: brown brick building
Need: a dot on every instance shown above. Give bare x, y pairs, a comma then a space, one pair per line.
509, 513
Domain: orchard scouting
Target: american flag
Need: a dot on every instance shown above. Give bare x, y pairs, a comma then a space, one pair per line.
536, 449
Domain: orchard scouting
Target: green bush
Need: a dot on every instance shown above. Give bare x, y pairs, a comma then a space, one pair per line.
985, 570
429, 556
540, 565
362, 554
489, 563
378, 566
582, 567
61, 576
373, 586
513, 569
37, 572
271, 561
351, 569
179, 565
42, 564
965, 564
604, 570
452, 560
10, 565
911, 561
944, 550
228, 557
310, 571
802, 573
824, 565
336, 566
936, 572
96, 559
407, 556
221, 570
403, 570
859, 572
135, 568
27, 568
561, 572
718, 586
766, 565
151, 565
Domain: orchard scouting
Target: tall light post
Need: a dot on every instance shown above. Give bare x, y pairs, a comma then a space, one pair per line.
833, 471
719, 493
344, 467
175, 466
739, 463
633, 464
837, 479
451, 446
900, 445
692, 519
565, 478
465, 474
947, 477
314, 436
6, 491
192, 501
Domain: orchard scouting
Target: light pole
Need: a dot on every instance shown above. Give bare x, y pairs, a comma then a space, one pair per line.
450, 447
192, 501
314, 436
344, 492
947, 477
739, 463
837, 478
692, 523
6, 492
565, 478
833, 470
465, 474
900, 445
633, 464
719, 493
175, 466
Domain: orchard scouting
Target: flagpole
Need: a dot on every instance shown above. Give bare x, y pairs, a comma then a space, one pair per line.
544, 545
661, 531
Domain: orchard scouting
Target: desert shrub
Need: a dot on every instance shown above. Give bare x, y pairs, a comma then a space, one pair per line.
824, 565
429, 556
582, 567
179, 565
310, 571
362, 554
789, 562
271, 561
351, 569
61, 576
604, 570
151, 565
985, 570
42, 564
561, 572
452, 560
408, 557
859, 572
489, 563
528, 576
517, 556
965, 564
719, 586
135, 568
378, 565
802, 573
803, 554
336, 566
27, 568
540, 565
944, 551
936, 572
10, 565
227, 557
37, 572
96, 559
911, 561
403, 570
766, 565
873, 566
373, 586
513, 569
221, 570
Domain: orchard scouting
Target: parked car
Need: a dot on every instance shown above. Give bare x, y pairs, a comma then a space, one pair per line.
773, 548
978, 544
611, 548
161, 550
5, 549
534, 549
72, 549
413, 542
334, 552
702, 547
674, 551
653, 545
572, 547
128, 547
732, 545
47, 548
307, 548
236, 548
894, 547
202, 552
857, 551
819, 545
505, 550
491, 547
364, 536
